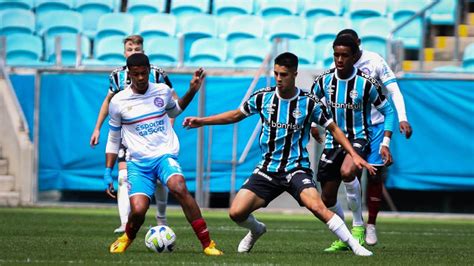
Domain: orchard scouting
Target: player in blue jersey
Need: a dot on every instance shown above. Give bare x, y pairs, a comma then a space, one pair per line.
139, 115
286, 112
118, 80
349, 94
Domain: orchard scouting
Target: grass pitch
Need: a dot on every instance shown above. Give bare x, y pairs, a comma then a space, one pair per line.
52, 236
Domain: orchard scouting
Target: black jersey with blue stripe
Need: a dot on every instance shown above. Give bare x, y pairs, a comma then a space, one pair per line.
119, 79
285, 127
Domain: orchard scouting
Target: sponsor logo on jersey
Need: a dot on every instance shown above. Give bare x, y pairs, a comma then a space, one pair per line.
290, 126
150, 128
356, 106
366, 70
159, 102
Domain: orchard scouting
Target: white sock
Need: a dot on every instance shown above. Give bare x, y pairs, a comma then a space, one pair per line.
123, 202
354, 200
337, 209
161, 197
251, 223
339, 228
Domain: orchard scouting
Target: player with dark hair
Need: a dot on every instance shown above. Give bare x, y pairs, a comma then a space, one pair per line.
118, 80
141, 113
286, 113
349, 94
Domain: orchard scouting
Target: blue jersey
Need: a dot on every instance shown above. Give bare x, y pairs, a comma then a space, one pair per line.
285, 127
119, 79
349, 101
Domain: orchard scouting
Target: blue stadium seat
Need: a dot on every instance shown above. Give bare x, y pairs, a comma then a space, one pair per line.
109, 50
362, 9
304, 49
68, 49
270, 9
245, 27
328, 56
325, 31
401, 11
14, 4
468, 57
162, 50
315, 9
11, 24
374, 33
197, 27
114, 24
141, 8
44, 7
231, 7
24, 50
189, 7
91, 11
250, 52
287, 27
208, 52
161, 24
61, 22
444, 13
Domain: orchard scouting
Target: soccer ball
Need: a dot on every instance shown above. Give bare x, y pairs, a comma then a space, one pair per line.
160, 239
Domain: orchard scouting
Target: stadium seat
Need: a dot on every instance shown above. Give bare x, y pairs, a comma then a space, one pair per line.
468, 57
250, 52
208, 52
411, 34
109, 50
362, 9
162, 50
328, 56
44, 7
197, 27
304, 49
374, 33
161, 24
270, 9
189, 7
140, 8
68, 48
24, 50
61, 22
91, 11
231, 7
10, 24
16, 4
315, 9
114, 24
444, 13
287, 27
245, 27
325, 31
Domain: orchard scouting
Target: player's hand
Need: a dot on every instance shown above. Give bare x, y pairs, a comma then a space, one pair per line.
111, 191
405, 129
316, 136
386, 155
197, 79
361, 163
94, 138
108, 182
192, 122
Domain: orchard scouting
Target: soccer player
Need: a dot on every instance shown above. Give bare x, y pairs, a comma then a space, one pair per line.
141, 113
286, 112
375, 66
118, 80
349, 94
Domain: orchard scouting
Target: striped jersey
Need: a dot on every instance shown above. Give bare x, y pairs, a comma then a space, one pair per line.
285, 127
146, 129
119, 79
349, 101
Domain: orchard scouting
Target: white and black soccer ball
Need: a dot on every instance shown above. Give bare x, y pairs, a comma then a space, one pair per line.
160, 239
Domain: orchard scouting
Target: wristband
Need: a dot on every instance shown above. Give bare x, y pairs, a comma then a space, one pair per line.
385, 142
107, 177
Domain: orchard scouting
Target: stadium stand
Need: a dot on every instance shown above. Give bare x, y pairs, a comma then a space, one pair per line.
211, 52
189, 7
196, 27
44, 7
13, 4
401, 11
114, 24
24, 50
304, 49
288, 27
444, 13
91, 11
362, 9
60, 22
140, 8
315, 9
270, 9
250, 52
374, 32
231, 8
161, 24
10, 24
325, 30
244, 27
68, 48
468, 57
162, 50
109, 50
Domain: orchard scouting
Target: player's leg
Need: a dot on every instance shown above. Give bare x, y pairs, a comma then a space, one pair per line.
161, 197
123, 202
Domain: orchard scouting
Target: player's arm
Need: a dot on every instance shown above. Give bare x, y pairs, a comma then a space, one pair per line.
228, 117
112, 148
384, 149
103, 113
194, 87
382, 105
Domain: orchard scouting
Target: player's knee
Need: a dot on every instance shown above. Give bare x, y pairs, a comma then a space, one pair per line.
236, 215
329, 200
177, 186
347, 173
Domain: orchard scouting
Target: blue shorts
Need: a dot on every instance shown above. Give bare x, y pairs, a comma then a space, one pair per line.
142, 176
376, 138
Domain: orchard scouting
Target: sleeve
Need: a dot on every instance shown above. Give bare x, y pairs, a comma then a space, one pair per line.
321, 115
114, 86
317, 88
115, 126
252, 106
384, 73
397, 98
172, 106
383, 106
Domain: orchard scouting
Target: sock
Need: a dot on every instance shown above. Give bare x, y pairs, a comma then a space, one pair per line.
374, 198
354, 200
161, 197
339, 228
250, 223
131, 233
200, 229
123, 202
337, 209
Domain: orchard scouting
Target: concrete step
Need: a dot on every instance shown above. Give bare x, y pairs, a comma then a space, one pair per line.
7, 183
427, 65
3, 166
466, 30
10, 198
470, 19
448, 42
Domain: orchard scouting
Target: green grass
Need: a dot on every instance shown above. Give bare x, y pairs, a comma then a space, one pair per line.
52, 236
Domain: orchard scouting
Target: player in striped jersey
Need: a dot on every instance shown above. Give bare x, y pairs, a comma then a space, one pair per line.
286, 113
349, 94
118, 80
139, 115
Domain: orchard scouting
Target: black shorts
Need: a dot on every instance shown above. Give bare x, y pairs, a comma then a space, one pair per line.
121, 156
269, 185
329, 167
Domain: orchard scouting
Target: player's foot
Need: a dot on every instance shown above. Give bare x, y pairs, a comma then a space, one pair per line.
120, 229
337, 245
246, 244
370, 235
359, 250
211, 250
161, 221
358, 232
121, 244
